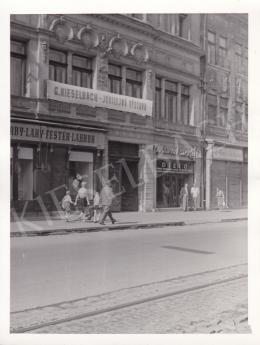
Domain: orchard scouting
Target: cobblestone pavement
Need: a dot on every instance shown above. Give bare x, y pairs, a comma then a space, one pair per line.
218, 308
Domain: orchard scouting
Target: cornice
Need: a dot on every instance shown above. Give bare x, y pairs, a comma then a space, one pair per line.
150, 31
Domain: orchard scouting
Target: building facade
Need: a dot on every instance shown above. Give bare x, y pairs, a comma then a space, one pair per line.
226, 107
119, 97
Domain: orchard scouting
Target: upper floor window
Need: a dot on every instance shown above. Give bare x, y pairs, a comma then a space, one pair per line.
222, 51
17, 68
133, 83
212, 110
211, 48
57, 66
114, 79
171, 101
185, 105
183, 25
239, 116
158, 97
246, 60
167, 22
223, 111
238, 57
81, 71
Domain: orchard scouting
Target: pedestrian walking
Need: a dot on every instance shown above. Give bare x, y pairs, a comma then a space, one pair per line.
65, 204
97, 207
194, 194
106, 198
185, 197
220, 199
82, 201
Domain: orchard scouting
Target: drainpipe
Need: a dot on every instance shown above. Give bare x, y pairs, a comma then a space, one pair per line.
203, 67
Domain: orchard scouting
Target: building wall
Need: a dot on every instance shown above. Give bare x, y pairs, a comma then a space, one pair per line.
168, 47
226, 102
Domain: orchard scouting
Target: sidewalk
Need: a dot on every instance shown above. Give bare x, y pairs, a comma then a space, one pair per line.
126, 220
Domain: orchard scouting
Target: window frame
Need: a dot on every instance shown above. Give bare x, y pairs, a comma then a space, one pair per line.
113, 77
22, 56
211, 45
172, 95
81, 70
222, 54
56, 64
133, 83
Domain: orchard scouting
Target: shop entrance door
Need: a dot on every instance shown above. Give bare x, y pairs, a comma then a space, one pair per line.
168, 189
129, 200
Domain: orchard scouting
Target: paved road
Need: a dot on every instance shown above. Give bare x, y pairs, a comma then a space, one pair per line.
47, 270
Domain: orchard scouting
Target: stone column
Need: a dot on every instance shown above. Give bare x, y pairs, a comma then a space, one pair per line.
179, 119
37, 70
100, 73
148, 84
147, 179
163, 98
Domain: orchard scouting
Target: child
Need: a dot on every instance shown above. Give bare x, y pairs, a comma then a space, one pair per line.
82, 201
97, 208
65, 204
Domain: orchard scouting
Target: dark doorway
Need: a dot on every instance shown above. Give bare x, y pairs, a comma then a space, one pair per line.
168, 189
129, 180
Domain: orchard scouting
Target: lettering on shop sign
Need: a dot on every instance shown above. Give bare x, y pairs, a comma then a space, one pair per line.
191, 152
97, 98
54, 135
175, 166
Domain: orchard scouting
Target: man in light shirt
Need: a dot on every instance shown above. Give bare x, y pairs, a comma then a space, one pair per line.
195, 194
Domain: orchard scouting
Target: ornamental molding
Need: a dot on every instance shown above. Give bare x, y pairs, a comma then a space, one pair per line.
88, 36
140, 52
117, 46
61, 29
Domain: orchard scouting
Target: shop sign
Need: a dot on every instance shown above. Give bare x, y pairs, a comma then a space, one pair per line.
227, 153
191, 152
46, 134
175, 166
97, 98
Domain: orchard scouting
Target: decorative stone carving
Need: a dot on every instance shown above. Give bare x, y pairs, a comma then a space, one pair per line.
140, 52
88, 37
225, 83
212, 79
44, 51
102, 75
117, 46
62, 29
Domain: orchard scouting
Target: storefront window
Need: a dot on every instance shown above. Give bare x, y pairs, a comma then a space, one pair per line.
57, 66
81, 163
133, 83
81, 71
25, 173
114, 79
17, 68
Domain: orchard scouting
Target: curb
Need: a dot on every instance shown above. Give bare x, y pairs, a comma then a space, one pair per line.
94, 229
114, 227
